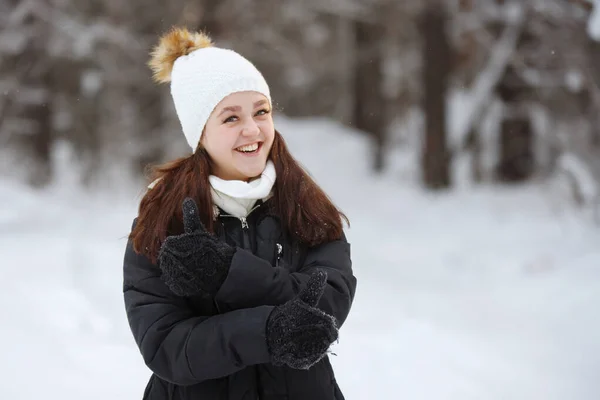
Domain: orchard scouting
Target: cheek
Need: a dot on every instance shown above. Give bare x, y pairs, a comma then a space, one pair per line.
220, 146
222, 140
268, 129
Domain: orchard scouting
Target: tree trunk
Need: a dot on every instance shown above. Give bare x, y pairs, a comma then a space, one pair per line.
209, 21
436, 65
79, 82
346, 52
32, 104
516, 150
476, 154
594, 71
369, 104
516, 157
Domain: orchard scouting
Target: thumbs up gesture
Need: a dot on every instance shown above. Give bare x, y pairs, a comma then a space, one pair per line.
194, 263
191, 217
298, 333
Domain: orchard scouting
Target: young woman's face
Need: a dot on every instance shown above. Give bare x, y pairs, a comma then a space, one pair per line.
238, 136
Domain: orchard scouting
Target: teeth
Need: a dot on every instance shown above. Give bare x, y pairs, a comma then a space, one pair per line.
248, 148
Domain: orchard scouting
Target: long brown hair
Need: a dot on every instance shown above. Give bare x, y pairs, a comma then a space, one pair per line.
306, 212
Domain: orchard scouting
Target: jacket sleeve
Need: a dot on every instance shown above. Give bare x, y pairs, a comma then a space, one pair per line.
253, 281
179, 346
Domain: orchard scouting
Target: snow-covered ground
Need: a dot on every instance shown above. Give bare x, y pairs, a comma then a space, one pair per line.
480, 293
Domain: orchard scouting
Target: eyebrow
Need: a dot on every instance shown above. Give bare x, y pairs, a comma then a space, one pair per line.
238, 108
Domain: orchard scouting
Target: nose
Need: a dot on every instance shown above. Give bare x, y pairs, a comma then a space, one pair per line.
250, 128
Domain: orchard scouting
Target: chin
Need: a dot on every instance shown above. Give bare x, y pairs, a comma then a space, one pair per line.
250, 173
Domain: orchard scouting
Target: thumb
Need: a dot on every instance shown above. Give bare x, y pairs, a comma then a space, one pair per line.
191, 218
312, 292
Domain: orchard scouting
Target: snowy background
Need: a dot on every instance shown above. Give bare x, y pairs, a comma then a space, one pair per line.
483, 293
479, 290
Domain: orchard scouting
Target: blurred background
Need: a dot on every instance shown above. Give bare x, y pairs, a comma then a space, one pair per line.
461, 137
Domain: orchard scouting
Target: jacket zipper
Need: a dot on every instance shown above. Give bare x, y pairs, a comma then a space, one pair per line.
244, 222
278, 253
246, 238
246, 241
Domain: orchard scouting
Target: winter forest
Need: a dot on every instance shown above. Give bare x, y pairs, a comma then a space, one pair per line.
461, 138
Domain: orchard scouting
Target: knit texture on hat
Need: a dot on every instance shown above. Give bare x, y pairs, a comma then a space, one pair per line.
201, 75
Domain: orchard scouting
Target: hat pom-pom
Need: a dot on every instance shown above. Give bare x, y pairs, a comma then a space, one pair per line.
172, 45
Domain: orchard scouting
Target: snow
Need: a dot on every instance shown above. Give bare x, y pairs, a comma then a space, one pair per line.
91, 82
473, 103
480, 293
574, 80
584, 179
593, 26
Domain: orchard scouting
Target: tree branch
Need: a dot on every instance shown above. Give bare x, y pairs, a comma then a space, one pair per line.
489, 78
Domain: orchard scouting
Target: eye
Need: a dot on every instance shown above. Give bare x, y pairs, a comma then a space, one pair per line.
264, 111
230, 119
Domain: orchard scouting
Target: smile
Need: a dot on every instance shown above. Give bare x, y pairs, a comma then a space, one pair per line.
250, 149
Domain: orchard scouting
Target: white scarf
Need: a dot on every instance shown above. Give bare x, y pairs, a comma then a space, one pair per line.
239, 197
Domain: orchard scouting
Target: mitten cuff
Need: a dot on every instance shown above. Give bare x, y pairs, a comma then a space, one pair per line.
200, 274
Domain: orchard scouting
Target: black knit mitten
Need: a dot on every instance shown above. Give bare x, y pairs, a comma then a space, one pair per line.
298, 333
195, 262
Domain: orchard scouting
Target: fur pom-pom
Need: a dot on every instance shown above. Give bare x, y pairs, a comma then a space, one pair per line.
172, 45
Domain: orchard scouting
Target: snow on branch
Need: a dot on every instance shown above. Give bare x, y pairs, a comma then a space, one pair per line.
488, 79
18, 14
583, 182
86, 35
593, 25
353, 10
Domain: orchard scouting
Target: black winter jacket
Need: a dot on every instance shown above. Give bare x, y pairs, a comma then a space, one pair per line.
215, 349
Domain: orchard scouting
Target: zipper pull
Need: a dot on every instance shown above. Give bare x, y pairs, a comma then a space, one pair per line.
244, 223
279, 253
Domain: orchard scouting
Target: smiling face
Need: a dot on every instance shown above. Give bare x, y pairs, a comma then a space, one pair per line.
238, 136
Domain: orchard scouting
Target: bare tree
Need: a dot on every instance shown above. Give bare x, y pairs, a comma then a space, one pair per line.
25, 113
369, 105
78, 72
436, 71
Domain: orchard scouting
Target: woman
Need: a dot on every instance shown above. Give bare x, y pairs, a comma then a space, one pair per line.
237, 273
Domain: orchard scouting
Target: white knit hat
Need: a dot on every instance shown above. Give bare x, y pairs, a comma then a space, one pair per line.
201, 75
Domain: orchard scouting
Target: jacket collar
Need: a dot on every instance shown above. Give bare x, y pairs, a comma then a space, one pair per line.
262, 207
